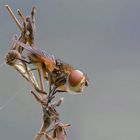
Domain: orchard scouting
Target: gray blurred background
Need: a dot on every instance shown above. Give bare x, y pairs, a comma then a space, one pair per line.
102, 38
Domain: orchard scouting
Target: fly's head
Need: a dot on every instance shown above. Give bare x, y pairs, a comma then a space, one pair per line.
77, 81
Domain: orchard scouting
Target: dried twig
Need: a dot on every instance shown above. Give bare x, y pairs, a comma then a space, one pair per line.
28, 28
27, 36
50, 115
14, 17
51, 119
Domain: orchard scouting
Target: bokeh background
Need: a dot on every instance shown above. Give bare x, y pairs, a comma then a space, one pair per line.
102, 38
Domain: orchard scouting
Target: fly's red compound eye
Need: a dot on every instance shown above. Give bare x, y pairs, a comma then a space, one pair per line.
75, 77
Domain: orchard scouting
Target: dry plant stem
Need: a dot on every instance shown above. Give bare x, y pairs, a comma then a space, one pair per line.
50, 115
28, 25
48, 137
44, 126
22, 68
41, 132
22, 37
41, 79
26, 69
21, 16
13, 16
28, 75
33, 11
39, 99
41, 91
28, 29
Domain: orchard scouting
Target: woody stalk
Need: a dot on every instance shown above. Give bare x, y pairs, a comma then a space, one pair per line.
52, 127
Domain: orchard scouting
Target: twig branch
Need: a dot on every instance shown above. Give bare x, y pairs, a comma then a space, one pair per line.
51, 119
14, 17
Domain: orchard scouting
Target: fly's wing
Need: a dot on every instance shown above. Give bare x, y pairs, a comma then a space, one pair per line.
49, 60
25, 46
40, 55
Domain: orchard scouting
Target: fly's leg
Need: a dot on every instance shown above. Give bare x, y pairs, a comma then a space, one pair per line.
59, 81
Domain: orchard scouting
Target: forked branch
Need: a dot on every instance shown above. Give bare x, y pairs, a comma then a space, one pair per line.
52, 126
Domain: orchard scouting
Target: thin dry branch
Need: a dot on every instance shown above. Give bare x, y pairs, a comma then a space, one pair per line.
28, 28
27, 36
14, 17
52, 127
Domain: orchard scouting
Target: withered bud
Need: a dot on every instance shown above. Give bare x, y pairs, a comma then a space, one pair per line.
11, 57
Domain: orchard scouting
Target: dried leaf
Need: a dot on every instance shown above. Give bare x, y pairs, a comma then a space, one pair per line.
28, 76
59, 132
